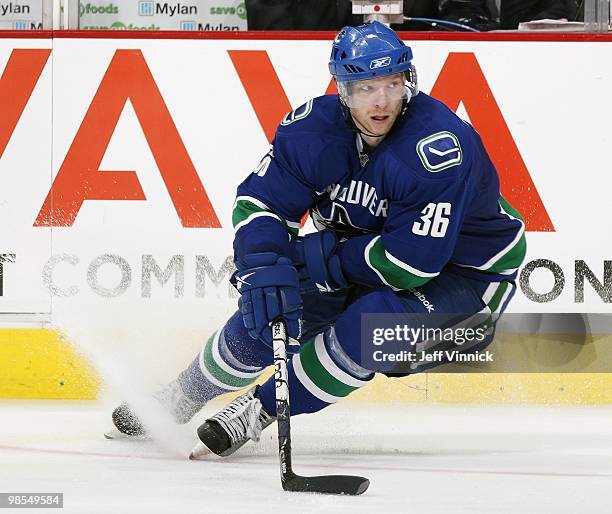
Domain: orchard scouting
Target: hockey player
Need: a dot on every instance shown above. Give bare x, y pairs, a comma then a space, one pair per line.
410, 220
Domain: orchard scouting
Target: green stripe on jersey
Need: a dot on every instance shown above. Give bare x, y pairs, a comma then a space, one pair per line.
391, 273
244, 209
494, 302
515, 254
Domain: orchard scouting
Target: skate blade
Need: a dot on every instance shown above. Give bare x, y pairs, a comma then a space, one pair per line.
201, 452
114, 435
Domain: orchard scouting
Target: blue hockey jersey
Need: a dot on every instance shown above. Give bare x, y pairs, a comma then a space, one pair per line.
427, 197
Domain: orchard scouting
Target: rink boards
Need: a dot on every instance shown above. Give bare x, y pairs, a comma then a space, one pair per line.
120, 157
40, 364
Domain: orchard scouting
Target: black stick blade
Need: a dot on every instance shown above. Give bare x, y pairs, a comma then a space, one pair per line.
328, 484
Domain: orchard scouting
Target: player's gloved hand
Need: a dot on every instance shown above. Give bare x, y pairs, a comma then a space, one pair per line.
318, 265
269, 288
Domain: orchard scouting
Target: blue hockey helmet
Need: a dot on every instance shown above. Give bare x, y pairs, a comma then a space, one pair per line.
370, 51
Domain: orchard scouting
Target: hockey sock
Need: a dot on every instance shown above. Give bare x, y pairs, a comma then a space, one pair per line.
321, 374
216, 370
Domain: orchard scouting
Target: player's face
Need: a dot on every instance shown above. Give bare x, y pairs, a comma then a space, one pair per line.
376, 103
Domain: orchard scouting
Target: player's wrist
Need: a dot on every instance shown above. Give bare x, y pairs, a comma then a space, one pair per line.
318, 265
351, 254
255, 240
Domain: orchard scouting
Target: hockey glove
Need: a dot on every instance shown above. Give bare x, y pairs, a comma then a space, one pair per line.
269, 288
318, 265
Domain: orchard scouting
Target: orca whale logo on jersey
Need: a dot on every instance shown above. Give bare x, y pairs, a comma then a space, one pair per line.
339, 221
381, 62
439, 151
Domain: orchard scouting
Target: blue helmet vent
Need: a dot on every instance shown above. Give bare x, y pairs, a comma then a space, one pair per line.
351, 68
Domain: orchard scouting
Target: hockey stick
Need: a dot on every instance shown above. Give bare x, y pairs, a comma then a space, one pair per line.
327, 484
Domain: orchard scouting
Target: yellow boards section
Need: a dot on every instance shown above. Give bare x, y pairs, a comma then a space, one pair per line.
37, 363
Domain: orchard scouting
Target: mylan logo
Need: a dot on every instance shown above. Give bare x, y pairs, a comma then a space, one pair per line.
188, 25
21, 25
12, 8
145, 8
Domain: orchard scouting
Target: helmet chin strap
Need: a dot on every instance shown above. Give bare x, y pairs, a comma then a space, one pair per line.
364, 133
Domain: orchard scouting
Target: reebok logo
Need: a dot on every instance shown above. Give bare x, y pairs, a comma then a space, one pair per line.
381, 62
423, 299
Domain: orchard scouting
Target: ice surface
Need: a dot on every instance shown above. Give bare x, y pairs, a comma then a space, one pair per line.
420, 459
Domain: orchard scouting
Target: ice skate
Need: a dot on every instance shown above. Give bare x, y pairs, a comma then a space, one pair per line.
242, 420
181, 408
